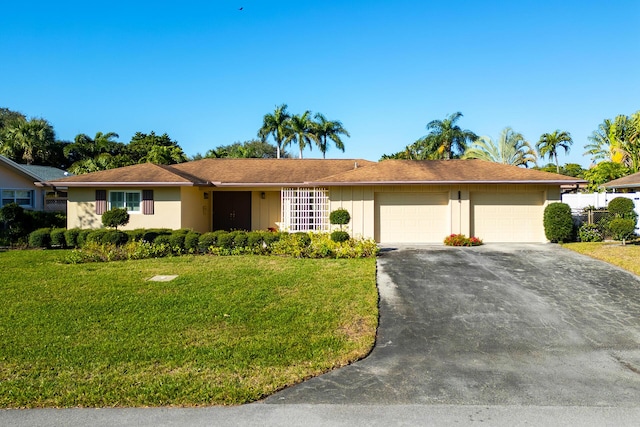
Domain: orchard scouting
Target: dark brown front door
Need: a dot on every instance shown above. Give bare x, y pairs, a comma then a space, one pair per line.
232, 210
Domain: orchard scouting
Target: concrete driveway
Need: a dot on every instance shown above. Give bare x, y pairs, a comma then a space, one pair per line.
494, 325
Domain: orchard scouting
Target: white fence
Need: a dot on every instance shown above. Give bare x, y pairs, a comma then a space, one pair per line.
580, 201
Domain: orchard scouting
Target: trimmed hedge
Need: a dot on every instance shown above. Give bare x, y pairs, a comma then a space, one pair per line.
558, 222
340, 236
40, 238
57, 238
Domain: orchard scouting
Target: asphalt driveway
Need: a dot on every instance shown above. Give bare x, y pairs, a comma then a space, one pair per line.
494, 325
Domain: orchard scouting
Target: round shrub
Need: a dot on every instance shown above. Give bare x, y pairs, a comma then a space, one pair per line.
622, 228
255, 238
71, 237
240, 239
115, 237
339, 217
95, 236
163, 239
224, 240
176, 239
622, 207
57, 237
136, 235
206, 241
590, 233
558, 223
340, 236
191, 241
40, 238
82, 237
115, 217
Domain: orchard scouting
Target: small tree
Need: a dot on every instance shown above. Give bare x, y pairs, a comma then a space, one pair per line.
115, 217
558, 223
339, 217
621, 207
623, 224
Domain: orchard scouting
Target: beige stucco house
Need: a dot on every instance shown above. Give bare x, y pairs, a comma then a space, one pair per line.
393, 201
22, 184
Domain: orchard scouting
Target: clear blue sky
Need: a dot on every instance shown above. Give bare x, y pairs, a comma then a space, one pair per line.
206, 73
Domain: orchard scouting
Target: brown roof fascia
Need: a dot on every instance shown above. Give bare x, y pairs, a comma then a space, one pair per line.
126, 184
370, 183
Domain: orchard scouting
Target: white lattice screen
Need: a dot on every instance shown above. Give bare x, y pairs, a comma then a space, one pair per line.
305, 209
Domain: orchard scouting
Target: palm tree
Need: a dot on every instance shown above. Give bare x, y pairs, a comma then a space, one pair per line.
448, 136
276, 124
549, 144
510, 149
301, 131
331, 129
31, 138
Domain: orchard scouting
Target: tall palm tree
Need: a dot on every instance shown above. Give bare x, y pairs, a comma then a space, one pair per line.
549, 144
301, 131
510, 149
331, 129
277, 125
600, 146
450, 139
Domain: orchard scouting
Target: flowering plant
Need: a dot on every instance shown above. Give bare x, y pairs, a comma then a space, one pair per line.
461, 240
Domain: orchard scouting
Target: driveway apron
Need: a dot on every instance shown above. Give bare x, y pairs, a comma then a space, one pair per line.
494, 325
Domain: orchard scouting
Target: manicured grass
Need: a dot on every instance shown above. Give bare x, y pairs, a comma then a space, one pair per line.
626, 256
228, 330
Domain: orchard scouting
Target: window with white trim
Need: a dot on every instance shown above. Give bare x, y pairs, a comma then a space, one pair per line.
305, 209
129, 200
24, 198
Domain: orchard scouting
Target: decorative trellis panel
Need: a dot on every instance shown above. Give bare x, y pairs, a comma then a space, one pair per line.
305, 209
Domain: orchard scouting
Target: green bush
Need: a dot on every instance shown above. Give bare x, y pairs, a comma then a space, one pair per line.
71, 237
114, 237
224, 240
191, 241
40, 219
558, 223
57, 238
40, 238
82, 237
304, 239
95, 236
622, 228
590, 233
151, 234
136, 235
176, 240
240, 239
206, 241
340, 236
15, 220
622, 207
163, 239
339, 217
115, 217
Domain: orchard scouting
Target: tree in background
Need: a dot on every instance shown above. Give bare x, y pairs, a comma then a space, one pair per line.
301, 131
550, 143
448, 137
28, 140
604, 172
276, 124
569, 169
141, 149
253, 149
617, 141
329, 129
510, 149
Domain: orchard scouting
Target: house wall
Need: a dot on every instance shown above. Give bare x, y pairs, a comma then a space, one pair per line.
361, 204
81, 210
265, 212
195, 208
11, 180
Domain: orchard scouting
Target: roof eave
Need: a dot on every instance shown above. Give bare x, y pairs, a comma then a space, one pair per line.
362, 183
637, 185
126, 184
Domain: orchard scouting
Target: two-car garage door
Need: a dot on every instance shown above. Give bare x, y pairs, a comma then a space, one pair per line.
426, 217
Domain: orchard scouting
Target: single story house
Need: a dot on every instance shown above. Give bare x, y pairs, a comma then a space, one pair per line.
629, 183
392, 201
22, 184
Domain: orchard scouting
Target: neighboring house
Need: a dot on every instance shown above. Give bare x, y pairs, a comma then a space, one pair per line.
627, 184
393, 201
23, 184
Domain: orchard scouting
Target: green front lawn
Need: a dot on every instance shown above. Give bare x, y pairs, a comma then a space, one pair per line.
615, 253
228, 330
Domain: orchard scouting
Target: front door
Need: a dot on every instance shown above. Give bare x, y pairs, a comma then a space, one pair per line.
232, 210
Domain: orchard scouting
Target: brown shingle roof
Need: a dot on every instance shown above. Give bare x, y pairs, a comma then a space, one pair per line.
267, 171
444, 171
629, 181
278, 172
142, 174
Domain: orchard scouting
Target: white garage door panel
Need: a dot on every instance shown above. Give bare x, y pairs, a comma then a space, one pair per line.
411, 217
507, 217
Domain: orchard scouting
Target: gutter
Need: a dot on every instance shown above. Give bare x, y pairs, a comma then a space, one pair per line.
363, 183
125, 184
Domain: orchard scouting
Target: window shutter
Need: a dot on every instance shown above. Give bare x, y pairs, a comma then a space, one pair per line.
101, 201
147, 202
